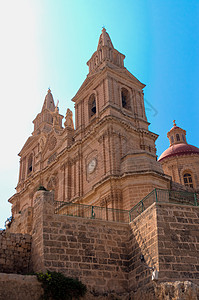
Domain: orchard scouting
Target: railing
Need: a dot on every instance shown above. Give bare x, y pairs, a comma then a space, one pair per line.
178, 197
92, 212
164, 196
142, 205
125, 216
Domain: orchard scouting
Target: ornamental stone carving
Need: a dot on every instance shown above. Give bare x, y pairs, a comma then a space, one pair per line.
52, 143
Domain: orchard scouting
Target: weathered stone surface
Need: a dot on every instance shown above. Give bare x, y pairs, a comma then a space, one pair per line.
19, 287
178, 242
106, 255
15, 252
178, 290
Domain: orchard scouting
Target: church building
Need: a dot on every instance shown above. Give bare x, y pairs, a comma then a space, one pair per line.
94, 203
109, 159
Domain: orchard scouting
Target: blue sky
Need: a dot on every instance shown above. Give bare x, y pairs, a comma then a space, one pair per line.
47, 43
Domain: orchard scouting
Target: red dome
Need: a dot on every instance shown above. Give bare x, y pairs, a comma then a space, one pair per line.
179, 149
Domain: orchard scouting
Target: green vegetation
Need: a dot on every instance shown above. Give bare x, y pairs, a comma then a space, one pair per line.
58, 287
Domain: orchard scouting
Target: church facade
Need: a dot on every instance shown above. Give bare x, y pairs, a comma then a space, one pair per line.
109, 159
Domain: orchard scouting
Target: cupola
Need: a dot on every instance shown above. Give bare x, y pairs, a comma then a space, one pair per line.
176, 135
178, 144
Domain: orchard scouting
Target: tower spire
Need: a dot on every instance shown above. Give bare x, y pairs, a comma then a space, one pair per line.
49, 101
49, 116
106, 55
104, 40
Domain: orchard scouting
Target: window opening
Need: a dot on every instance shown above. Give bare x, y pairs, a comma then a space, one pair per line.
92, 106
125, 99
30, 164
177, 137
188, 180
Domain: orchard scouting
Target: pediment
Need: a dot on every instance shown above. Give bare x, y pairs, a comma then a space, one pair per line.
88, 80
127, 74
27, 144
120, 71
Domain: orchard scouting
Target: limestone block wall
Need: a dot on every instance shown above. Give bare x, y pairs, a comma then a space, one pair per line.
89, 250
15, 253
106, 255
143, 240
22, 222
178, 242
94, 251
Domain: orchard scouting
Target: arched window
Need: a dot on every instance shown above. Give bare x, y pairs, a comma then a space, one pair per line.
126, 103
183, 137
177, 137
92, 106
30, 162
172, 139
188, 180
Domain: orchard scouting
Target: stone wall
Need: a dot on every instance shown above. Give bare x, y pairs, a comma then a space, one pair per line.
18, 287
15, 252
179, 290
143, 240
178, 242
94, 251
104, 255
22, 222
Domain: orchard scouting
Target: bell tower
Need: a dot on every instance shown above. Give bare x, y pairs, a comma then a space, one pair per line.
109, 90
111, 119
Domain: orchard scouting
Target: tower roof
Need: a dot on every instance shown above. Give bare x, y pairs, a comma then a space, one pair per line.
49, 102
49, 116
104, 40
106, 55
